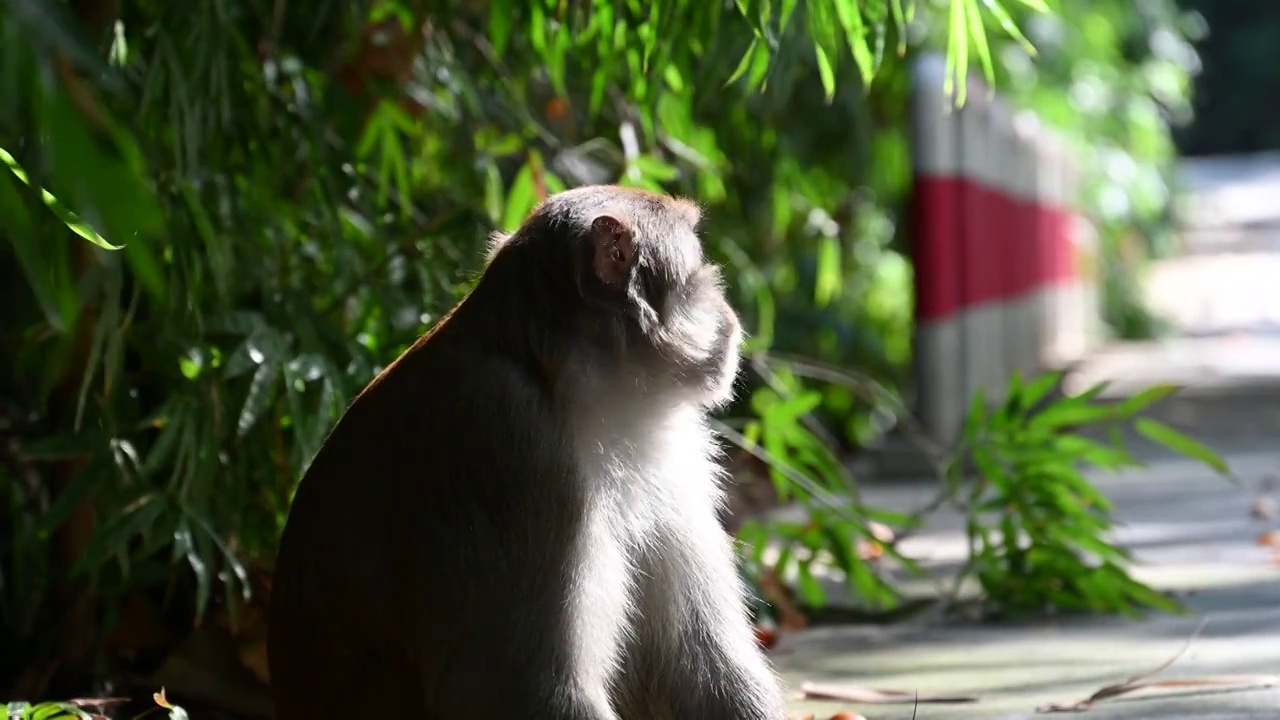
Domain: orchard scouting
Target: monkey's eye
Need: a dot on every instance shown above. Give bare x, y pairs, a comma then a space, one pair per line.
615, 254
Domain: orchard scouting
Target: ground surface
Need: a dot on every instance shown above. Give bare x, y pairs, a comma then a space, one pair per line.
1193, 533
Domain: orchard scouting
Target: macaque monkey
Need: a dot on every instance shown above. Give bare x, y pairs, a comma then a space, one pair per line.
518, 517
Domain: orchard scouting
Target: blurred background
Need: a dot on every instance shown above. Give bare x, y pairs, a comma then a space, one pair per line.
223, 217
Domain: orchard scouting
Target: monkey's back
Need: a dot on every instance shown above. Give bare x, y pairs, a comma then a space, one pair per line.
427, 509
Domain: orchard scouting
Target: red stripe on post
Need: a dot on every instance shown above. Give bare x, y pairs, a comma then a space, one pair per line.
1003, 227
990, 246
1063, 266
936, 246
1022, 243
1044, 244
980, 276
974, 245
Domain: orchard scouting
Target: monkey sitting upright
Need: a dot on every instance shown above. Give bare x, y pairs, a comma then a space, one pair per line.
518, 517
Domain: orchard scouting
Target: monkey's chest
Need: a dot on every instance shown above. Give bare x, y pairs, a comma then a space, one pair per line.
640, 475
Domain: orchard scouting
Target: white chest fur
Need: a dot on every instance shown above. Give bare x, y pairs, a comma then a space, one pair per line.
643, 462
644, 467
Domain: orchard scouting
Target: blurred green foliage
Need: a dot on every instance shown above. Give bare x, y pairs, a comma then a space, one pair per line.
223, 217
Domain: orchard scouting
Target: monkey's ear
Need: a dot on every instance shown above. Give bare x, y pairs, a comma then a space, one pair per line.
612, 251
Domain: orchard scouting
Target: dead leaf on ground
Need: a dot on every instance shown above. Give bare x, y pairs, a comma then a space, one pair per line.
846, 715
1144, 681
873, 696
1241, 682
1270, 539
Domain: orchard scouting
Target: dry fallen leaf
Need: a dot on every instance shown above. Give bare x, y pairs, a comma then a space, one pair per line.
1144, 680
1270, 539
1242, 682
860, 694
161, 700
846, 715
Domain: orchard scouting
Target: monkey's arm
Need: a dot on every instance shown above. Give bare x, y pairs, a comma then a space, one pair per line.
697, 655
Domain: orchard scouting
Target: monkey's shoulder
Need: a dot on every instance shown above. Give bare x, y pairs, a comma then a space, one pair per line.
449, 410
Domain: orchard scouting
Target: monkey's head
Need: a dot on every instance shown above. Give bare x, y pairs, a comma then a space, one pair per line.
624, 274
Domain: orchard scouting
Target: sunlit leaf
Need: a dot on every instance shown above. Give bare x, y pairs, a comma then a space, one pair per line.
1144, 399
1158, 432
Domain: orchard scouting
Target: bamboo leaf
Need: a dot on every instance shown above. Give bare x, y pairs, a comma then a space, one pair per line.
978, 33
1164, 435
855, 34
259, 396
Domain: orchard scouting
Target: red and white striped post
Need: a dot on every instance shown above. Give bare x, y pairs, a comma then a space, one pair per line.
995, 244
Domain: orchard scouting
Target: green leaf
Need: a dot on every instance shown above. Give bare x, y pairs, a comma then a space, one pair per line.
978, 34
748, 58
500, 15
1037, 5
1069, 412
976, 418
521, 198
957, 63
258, 399
826, 46
1002, 16
810, 589
113, 538
828, 281
1110, 458
1146, 398
855, 34
1160, 433
900, 24
1036, 390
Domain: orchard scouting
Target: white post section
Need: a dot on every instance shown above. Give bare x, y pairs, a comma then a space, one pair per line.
1079, 283
939, 367
1001, 249
979, 317
1026, 196
1048, 239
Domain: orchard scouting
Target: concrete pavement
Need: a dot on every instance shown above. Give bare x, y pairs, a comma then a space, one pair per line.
1191, 532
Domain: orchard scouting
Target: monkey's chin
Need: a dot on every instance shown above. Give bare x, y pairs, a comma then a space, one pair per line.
721, 392
720, 387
